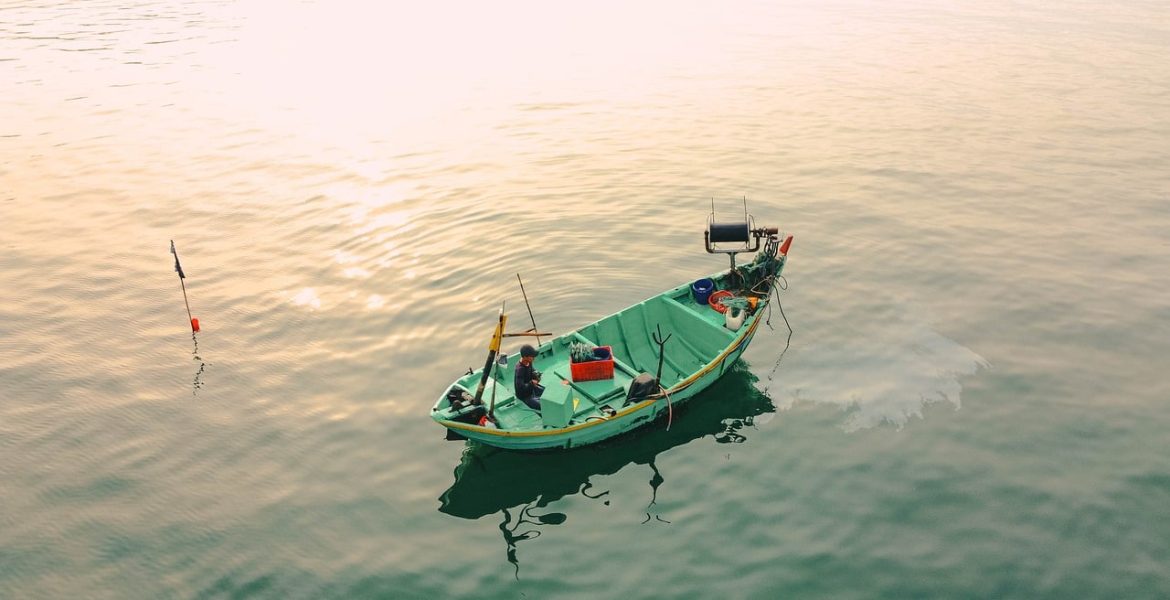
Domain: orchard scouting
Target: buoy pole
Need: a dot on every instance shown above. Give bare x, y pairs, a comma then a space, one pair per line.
182, 276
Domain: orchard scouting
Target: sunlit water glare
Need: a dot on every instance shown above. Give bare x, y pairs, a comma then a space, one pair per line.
972, 403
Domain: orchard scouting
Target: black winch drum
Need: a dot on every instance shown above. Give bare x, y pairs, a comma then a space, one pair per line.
729, 232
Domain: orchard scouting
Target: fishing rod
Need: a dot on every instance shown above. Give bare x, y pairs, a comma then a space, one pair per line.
529, 306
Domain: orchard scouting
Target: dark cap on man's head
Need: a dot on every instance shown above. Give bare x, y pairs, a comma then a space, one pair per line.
527, 350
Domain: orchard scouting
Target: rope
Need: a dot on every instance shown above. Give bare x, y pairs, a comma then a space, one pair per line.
787, 343
669, 408
780, 305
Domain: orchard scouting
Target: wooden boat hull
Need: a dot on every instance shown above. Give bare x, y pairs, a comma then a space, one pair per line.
628, 419
698, 354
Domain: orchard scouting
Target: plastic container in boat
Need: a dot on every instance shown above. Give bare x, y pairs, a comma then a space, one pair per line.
702, 289
602, 368
714, 300
733, 318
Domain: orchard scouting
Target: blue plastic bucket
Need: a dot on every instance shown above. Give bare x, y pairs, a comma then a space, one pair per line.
702, 289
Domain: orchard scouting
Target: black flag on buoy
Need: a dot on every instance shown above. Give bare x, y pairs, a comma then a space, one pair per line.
182, 276
178, 267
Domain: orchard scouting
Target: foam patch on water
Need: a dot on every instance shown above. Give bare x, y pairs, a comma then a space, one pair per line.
884, 372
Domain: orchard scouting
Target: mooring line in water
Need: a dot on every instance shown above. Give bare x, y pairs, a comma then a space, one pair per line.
787, 343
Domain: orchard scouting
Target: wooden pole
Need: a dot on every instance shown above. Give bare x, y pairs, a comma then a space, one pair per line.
493, 350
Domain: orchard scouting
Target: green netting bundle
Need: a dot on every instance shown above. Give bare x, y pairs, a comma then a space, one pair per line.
739, 302
581, 352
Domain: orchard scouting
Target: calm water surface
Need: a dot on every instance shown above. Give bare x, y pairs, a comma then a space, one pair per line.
973, 404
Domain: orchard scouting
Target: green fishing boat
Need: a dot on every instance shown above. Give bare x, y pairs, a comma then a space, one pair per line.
628, 369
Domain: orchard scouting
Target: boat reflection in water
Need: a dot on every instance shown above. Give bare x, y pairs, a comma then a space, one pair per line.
518, 485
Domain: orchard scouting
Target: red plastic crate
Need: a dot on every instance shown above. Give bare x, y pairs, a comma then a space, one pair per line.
593, 370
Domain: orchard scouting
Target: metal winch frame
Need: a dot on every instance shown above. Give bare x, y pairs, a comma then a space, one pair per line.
743, 233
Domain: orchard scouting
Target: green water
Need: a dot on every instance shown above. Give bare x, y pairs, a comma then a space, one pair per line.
973, 402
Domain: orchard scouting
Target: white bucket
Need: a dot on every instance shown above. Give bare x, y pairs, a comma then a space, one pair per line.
733, 318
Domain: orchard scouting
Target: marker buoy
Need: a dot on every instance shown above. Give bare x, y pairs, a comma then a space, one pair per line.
182, 276
785, 245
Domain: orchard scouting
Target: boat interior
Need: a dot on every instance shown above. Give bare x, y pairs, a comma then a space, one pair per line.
698, 334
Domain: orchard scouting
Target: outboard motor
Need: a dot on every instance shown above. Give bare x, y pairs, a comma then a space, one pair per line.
643, 386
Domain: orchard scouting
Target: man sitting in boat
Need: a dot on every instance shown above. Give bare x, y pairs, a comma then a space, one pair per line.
528, 388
